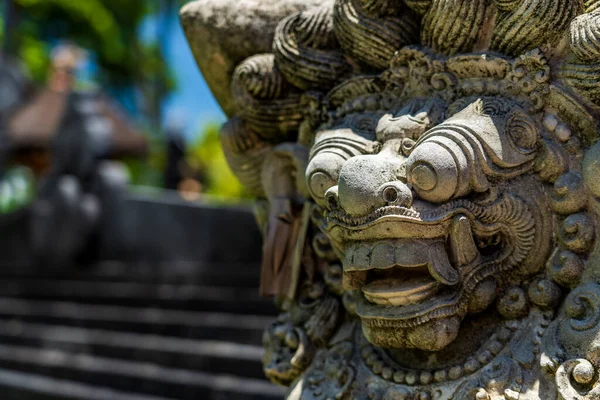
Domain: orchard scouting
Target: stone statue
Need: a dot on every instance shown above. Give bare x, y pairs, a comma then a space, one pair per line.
429, 187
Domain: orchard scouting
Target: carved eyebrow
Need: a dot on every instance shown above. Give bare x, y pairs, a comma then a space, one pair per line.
349, 144
489, 160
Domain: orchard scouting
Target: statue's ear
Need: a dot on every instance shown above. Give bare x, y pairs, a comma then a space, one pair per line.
222, 33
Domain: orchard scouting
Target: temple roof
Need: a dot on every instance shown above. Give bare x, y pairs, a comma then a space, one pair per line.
36, 123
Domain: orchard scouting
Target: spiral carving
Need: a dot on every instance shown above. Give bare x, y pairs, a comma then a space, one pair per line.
577, 232
576, 379
544, 293
523, 133
582, 306
265, 100
532, 24
507, 5
442, 30
585, 78
370, 39
419, 6
245, 153
566, 268
592, 5
569, 194
306, 50
585, 37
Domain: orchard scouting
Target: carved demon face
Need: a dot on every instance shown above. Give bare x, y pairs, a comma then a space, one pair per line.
433, 209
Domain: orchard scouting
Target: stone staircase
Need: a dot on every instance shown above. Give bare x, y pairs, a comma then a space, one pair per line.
123, 331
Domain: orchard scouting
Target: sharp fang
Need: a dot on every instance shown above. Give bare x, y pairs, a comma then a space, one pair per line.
440, 267
462, 244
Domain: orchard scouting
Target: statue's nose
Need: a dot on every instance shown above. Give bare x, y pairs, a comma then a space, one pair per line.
369, 182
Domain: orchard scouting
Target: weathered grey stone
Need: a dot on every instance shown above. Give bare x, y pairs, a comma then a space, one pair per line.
439, 240
223, 33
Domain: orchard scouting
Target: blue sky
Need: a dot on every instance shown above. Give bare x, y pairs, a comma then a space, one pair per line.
192, 103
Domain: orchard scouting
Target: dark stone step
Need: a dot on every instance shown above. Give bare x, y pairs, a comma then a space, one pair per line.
189, 297
237, 328
135, 377
210, 356
16, 385
244, 275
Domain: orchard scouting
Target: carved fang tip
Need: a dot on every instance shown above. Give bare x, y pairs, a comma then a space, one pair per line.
440, 267
462, 244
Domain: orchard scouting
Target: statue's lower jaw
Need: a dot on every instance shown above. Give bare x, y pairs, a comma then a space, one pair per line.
431, 331
430, 336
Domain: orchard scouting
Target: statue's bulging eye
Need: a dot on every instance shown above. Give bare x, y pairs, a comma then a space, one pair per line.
323, 172
436, 169
320, 182
424, 177
329, 154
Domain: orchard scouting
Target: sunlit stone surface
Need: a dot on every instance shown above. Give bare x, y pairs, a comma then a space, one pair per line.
426, 177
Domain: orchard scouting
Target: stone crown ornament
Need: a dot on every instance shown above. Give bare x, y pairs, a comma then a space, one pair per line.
428, 183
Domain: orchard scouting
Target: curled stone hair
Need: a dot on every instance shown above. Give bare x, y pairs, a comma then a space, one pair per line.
264, 99
306, 50
523, 25
370, 37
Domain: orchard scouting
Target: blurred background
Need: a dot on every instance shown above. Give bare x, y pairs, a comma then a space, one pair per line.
129, 253
136, 55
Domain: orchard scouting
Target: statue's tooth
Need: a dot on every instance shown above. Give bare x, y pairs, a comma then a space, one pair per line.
383, 255
349, 257
462, 244
362, 257
357, 257
440, 267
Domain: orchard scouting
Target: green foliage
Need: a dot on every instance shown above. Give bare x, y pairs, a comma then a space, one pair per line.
109, 29
148, 172
17, 189
106, 27
206, 156
34, 54
1, 29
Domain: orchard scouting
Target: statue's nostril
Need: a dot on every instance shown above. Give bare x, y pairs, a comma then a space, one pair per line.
331, 198
332, 203
396, 193
390, 194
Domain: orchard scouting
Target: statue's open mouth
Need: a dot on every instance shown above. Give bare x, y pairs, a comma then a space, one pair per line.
415, 264
406, 262
411, 287
413, 276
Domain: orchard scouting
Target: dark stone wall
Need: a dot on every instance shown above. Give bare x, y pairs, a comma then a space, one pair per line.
166, 228
15, 245
147, 228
